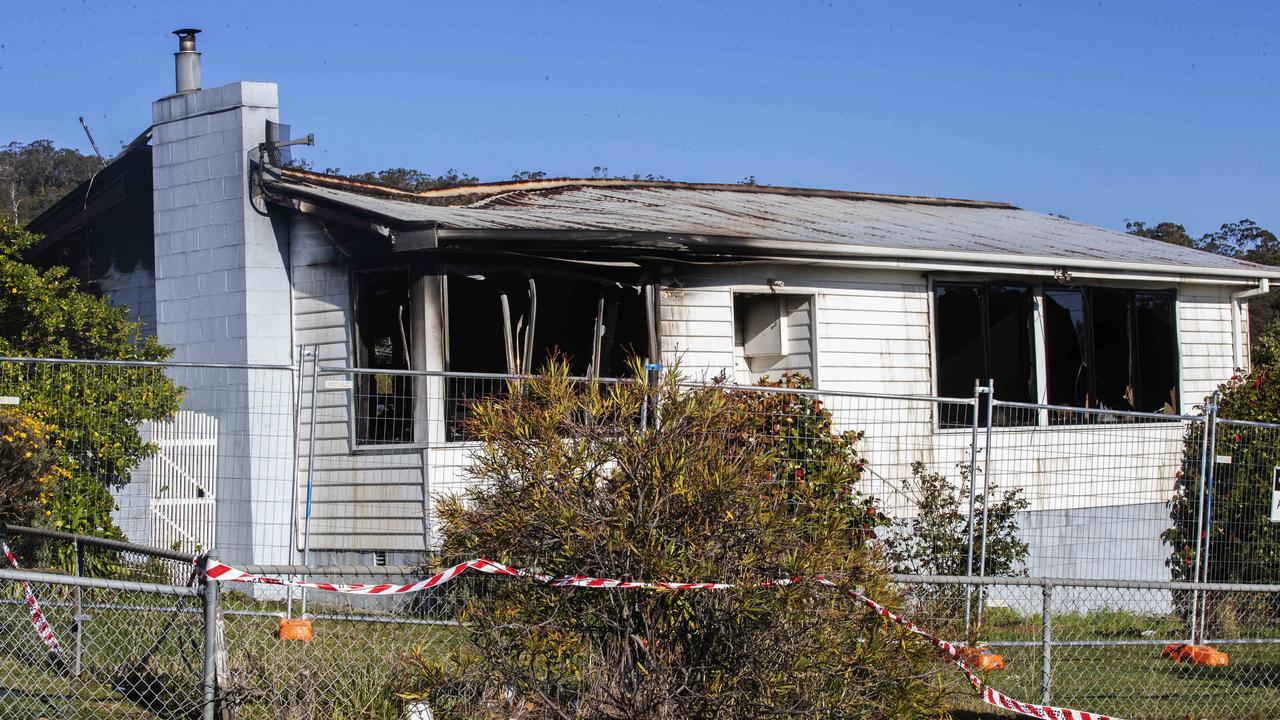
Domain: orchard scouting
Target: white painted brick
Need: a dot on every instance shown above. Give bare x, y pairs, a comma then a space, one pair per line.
226, 257
235, 186
259, 94
163, 196
171, 266
234, 281
184, 195
172, 311
194, 126
213, 236
222, 165
209, 191
226, 211
208, 283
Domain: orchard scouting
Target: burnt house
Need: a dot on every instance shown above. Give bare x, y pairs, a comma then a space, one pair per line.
246, 260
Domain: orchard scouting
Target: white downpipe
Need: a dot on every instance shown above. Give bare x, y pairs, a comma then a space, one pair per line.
1237, 346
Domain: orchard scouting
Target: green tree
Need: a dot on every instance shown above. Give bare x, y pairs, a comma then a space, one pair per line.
35, 175
725, 485
92, 412
1171, 233
1242, 545
1242, 239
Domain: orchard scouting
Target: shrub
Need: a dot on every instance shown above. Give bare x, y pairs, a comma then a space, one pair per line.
29, 468
723, 485
92, 413
936, 540
1243, 545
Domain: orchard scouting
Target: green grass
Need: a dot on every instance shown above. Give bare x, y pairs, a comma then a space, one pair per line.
350, 667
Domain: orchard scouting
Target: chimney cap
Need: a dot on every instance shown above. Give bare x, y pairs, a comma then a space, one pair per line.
186, 38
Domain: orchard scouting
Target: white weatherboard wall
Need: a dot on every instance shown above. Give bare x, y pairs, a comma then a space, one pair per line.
365, 501
1100, 490
222, 295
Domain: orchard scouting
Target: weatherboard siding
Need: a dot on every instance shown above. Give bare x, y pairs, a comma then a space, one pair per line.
360, 501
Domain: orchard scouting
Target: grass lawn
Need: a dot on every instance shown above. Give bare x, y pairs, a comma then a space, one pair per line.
350, 667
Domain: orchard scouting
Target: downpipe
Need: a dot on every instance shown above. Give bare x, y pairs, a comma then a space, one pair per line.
1237, 351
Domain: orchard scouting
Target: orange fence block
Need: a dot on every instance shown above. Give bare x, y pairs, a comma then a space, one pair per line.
1195, 655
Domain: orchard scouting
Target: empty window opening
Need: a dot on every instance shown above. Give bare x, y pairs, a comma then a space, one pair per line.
773, 335
384, 402
510, 321
1111, 349
985, 332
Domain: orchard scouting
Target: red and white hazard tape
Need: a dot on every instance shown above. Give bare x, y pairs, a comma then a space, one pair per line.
950, 651
38, 621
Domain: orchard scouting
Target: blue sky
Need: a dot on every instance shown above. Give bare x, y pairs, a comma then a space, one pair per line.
1101, 111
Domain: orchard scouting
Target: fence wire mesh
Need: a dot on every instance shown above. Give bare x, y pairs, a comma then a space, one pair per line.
1106, 648
323, 466
345, 656
121, 652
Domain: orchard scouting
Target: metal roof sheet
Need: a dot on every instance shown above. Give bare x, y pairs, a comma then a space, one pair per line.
815, 222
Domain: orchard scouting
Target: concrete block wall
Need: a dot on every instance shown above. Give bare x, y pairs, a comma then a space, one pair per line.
222, 295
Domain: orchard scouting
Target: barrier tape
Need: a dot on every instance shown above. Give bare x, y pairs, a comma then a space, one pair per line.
38, 621
950, 651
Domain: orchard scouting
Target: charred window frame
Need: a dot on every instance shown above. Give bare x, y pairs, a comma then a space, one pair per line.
382, 310
1110, 348
506, 321
985, 331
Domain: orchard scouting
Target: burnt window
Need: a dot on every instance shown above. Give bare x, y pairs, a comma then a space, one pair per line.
1111, 349
985, 331
513, 322
383, 401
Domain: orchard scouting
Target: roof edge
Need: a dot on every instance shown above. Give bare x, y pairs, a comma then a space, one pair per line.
338, 182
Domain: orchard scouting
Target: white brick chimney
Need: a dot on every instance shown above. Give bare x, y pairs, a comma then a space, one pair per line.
223, 296
216, 256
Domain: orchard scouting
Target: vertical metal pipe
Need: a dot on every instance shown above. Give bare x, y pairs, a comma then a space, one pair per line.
1208, 512
77, 614
1046, 644
311, 464
986, 501
1199, 526
293, 495
973, 486
210, 598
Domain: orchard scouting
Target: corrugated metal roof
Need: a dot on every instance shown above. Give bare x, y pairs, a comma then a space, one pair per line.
781, 220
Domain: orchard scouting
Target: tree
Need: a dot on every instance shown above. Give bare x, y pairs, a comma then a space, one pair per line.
91, 412
1240, 542
1172, 233
1242, 239
733, 486
35, 175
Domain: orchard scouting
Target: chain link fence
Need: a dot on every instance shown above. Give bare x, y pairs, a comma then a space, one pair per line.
127, 650
1137, 531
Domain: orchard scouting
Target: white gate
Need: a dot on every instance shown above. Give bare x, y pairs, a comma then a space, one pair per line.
184, 482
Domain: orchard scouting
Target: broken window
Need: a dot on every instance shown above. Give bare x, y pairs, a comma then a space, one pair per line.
984, 331
512, 322
383, 402
773, 335
1110, 348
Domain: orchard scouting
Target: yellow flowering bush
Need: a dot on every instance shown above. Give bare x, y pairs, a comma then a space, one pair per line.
30, 470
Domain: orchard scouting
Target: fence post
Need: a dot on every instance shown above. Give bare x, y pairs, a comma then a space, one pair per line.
973, 487
77, 631
1046, 645
1207, 531
1199, 522
986, 502
311, 464
209, 595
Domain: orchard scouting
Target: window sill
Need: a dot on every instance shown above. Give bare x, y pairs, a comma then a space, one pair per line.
389, 448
